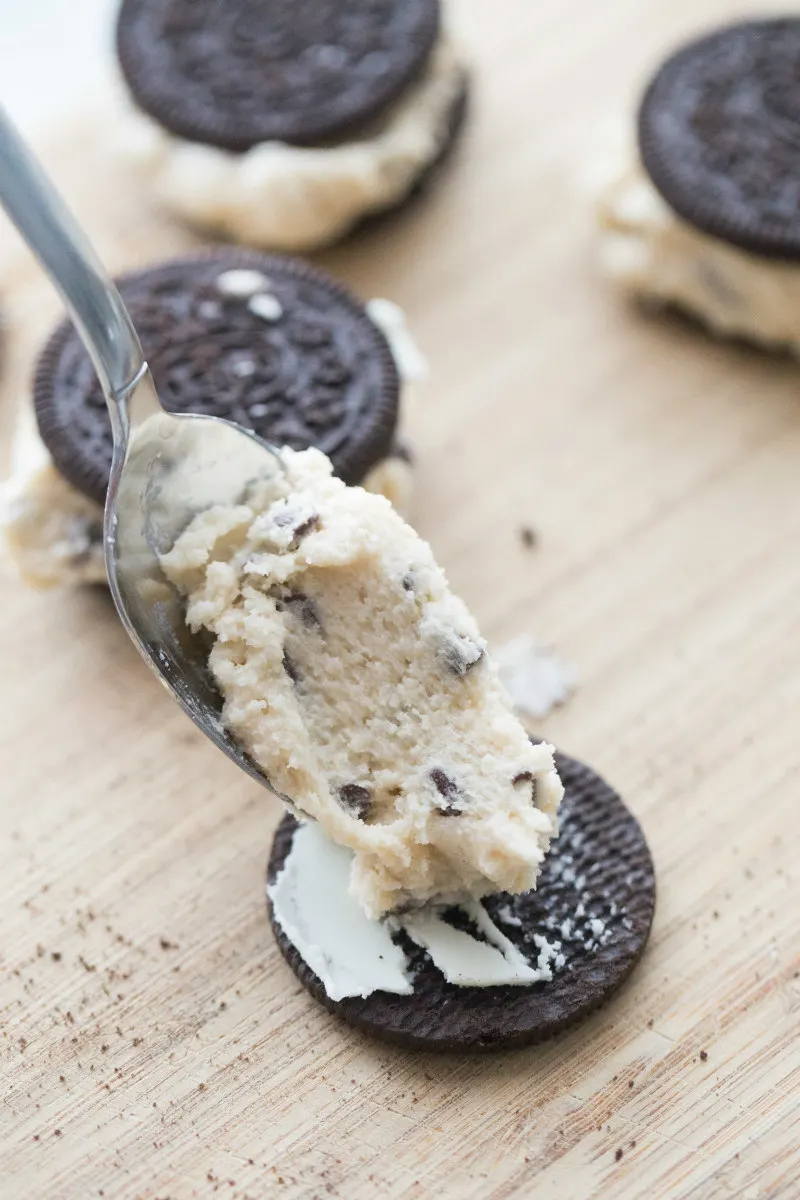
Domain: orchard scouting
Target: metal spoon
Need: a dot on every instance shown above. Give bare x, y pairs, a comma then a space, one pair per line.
165, 467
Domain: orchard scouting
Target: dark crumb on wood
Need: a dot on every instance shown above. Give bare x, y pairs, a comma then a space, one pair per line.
618, 1154
528, 536
57, 1132
630, 1083
703, 1056
56, 955
166, 944
650, 1023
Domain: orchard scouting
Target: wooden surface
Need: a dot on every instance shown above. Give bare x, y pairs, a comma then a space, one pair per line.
154, 1043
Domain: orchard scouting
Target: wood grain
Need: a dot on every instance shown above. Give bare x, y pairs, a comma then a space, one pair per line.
154, 1043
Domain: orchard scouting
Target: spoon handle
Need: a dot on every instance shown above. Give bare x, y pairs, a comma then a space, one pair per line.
54, 236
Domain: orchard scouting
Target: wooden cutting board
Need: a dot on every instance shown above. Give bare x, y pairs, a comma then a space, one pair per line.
154, 1043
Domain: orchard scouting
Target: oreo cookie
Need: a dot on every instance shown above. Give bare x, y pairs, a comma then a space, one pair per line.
244, 72
263, 340
590, 917
719, 135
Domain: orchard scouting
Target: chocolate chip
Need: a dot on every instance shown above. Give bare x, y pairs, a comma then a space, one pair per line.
459, 653
299, 523
356, 800
290, 668
526, 777
302, 607
449, 791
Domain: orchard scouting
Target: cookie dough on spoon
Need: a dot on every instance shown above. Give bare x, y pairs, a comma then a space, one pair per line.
362, 688
704, 213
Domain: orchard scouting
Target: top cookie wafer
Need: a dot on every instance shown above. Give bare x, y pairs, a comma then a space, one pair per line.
241, 72
263, 340
719, 134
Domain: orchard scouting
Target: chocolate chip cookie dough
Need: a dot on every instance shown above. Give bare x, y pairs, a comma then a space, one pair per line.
704, 213
361, 686
283, 123
267, 341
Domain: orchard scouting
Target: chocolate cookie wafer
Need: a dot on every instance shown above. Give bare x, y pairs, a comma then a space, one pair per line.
584, 929
251, 71
719, 130
267, 342
705, 215
284, 123
263, 340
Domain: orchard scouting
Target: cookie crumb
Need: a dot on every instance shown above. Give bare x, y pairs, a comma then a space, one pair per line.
528, 536
535, 678
618, 1154
265, 306
703, 1056
241, 282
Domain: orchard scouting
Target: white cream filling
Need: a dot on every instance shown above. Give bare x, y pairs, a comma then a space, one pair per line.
291, 197
53, 532
354, 955
351, 954
652, 253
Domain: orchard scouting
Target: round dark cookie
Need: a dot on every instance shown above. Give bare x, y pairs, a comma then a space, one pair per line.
598, 870
719, 135
306, 72
321, 374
